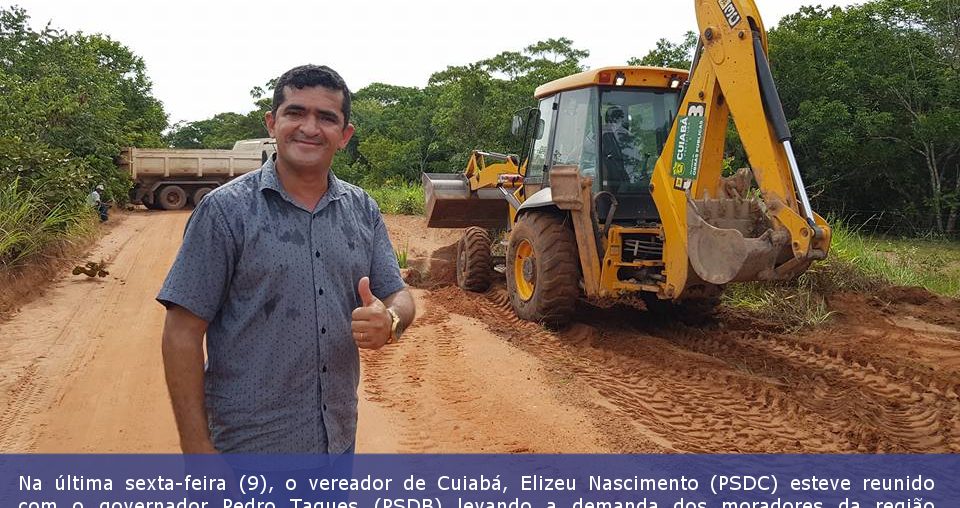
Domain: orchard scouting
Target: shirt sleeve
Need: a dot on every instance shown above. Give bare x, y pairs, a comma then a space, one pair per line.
385, 277
200, 276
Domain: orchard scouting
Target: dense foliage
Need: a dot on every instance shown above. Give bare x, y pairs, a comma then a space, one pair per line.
70, 102
670, 54
874, 100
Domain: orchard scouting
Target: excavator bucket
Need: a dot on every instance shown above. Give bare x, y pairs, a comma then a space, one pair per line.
450, 203
732, 240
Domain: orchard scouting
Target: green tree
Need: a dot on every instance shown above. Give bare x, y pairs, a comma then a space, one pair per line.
223, 129
70, 102
403, 131
873, 94
677, 55
82, 96
220, 131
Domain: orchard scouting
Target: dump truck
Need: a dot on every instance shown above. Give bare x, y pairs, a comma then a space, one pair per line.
620, 197
170, 178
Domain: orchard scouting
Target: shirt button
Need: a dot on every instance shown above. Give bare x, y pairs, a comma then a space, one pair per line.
324, 407
317, 254
323, 330
324, 368
321, 291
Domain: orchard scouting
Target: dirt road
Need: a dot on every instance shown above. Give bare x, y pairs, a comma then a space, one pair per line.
80, 370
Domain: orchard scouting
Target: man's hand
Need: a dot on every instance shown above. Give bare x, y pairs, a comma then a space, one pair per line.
371, 322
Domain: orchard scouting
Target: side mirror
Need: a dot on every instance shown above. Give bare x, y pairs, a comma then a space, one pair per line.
540, 125
515, 125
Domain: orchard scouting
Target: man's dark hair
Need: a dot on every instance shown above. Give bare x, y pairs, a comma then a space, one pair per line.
308, 76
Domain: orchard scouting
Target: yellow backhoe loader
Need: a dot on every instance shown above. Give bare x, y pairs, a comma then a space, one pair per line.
620, 196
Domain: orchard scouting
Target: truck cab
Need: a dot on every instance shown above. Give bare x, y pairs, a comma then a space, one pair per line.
266, 147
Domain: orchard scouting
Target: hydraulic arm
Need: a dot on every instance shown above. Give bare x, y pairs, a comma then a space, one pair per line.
725, 232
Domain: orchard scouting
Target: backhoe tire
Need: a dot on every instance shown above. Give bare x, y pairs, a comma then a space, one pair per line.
473, 260
543, 269
172, 197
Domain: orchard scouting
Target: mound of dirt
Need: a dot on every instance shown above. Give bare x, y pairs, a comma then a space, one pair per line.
431, 253
438, 269
895, 301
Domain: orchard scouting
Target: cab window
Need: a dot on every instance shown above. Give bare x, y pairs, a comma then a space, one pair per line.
634, 124
542, 129
576, 141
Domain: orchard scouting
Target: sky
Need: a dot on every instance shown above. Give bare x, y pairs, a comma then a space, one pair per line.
203, 57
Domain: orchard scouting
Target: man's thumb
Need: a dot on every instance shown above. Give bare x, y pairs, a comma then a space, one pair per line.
366, 297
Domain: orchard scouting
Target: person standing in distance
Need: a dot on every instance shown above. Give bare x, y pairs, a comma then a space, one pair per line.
287, 270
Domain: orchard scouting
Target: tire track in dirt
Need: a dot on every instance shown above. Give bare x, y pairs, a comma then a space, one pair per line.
58, 355
711, 389
23, 399
77, 356
409, 374
876, 409
696, 406
436, 378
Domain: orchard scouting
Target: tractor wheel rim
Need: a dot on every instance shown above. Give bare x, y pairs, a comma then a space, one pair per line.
524, 255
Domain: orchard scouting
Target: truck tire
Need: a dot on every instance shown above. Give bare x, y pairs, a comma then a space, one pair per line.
149, 200
543, 269
172, 197
199, 194
473, 260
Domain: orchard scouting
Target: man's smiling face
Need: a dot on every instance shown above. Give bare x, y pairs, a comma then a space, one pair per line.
309, 128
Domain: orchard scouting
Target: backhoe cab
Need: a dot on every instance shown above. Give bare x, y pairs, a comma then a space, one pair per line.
620, 195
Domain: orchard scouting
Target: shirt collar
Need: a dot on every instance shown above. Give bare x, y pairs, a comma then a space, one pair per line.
269, 180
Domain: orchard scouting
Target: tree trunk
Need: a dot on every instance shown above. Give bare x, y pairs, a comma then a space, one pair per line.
935, 188
955, 208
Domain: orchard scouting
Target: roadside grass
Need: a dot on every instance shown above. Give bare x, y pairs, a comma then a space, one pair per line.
37, 242
398, 198
29, 226
402, 256
856, 262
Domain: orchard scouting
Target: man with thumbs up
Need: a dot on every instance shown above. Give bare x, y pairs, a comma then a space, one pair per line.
287, 271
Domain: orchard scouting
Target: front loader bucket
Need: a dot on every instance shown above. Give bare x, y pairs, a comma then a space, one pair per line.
731, 240
451, 204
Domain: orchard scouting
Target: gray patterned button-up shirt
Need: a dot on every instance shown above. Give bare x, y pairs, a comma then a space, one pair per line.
277, 284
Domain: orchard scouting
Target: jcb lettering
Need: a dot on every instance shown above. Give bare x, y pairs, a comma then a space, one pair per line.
730, 11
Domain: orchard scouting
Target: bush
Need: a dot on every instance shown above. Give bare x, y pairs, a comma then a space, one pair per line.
50, 173
28, 224
856, 262
401, 199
